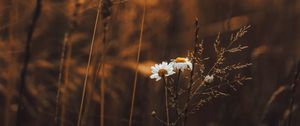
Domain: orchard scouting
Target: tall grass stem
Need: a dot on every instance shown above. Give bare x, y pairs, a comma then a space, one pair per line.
293, 94
89, 62
27, 56
137, 65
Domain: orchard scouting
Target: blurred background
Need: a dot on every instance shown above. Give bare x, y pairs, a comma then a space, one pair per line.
65, 27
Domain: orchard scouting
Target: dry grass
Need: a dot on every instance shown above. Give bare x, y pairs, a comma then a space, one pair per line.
89, 63
58, 83
137, 66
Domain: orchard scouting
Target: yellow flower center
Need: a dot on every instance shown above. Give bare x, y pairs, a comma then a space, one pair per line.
180, 59
162, 72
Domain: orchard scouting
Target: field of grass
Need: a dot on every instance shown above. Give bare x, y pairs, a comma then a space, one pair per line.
92, 62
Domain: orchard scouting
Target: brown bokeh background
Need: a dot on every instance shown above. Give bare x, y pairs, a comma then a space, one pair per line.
273, 40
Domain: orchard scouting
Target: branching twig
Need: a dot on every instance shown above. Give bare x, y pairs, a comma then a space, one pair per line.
192, 73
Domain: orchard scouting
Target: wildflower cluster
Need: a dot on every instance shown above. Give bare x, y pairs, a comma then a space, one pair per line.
180, 64
166, 69
195, 83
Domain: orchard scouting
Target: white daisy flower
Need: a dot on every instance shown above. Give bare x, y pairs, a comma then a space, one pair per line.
161, 70
209, 79
182, 63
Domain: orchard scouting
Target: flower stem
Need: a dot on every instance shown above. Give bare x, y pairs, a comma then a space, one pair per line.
166, 102
176, 87
191, 75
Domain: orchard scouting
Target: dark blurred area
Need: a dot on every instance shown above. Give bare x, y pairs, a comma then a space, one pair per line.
274, 50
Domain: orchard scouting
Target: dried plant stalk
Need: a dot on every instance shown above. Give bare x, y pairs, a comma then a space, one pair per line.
293, 92
137, 61
89, 63
64, 67
205, 84
24, 70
